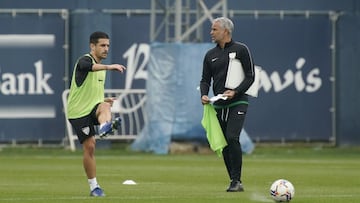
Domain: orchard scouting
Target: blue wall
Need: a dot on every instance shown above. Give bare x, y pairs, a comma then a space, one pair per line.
347, 53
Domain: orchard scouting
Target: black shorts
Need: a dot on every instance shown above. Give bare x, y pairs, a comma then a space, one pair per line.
85, 126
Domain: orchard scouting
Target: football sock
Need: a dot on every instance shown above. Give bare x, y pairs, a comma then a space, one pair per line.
93, 184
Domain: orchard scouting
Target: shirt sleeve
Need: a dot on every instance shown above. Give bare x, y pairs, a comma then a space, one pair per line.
205, 78
85, 64
83, 67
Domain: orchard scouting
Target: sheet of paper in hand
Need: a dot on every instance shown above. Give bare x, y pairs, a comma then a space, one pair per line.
217, 97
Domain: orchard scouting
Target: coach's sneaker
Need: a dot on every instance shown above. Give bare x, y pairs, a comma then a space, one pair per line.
97, 192
235, 186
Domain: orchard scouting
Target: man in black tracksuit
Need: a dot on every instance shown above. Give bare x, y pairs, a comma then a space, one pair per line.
230, 112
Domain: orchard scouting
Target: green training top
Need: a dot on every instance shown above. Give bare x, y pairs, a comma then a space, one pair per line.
82, 99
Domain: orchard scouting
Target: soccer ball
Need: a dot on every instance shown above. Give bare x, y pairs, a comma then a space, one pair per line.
282, 190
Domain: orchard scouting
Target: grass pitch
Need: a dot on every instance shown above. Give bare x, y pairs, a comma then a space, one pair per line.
55, 175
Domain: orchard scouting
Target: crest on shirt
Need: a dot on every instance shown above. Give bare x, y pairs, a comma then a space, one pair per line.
86, 130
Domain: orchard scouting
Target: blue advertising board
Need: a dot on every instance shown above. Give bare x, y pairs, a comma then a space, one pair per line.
294, 54
296, 89
32, 64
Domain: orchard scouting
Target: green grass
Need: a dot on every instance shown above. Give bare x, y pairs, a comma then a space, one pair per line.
321, 175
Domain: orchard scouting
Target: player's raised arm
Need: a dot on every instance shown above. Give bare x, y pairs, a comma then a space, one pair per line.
116, 67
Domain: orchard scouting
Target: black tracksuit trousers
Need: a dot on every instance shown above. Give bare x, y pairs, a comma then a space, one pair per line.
231, 121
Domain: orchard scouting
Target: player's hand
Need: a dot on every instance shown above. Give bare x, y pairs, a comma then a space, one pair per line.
117, 67
205, 99
229, 94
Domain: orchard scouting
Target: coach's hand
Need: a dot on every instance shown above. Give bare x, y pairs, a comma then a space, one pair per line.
205, 99
229, 94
